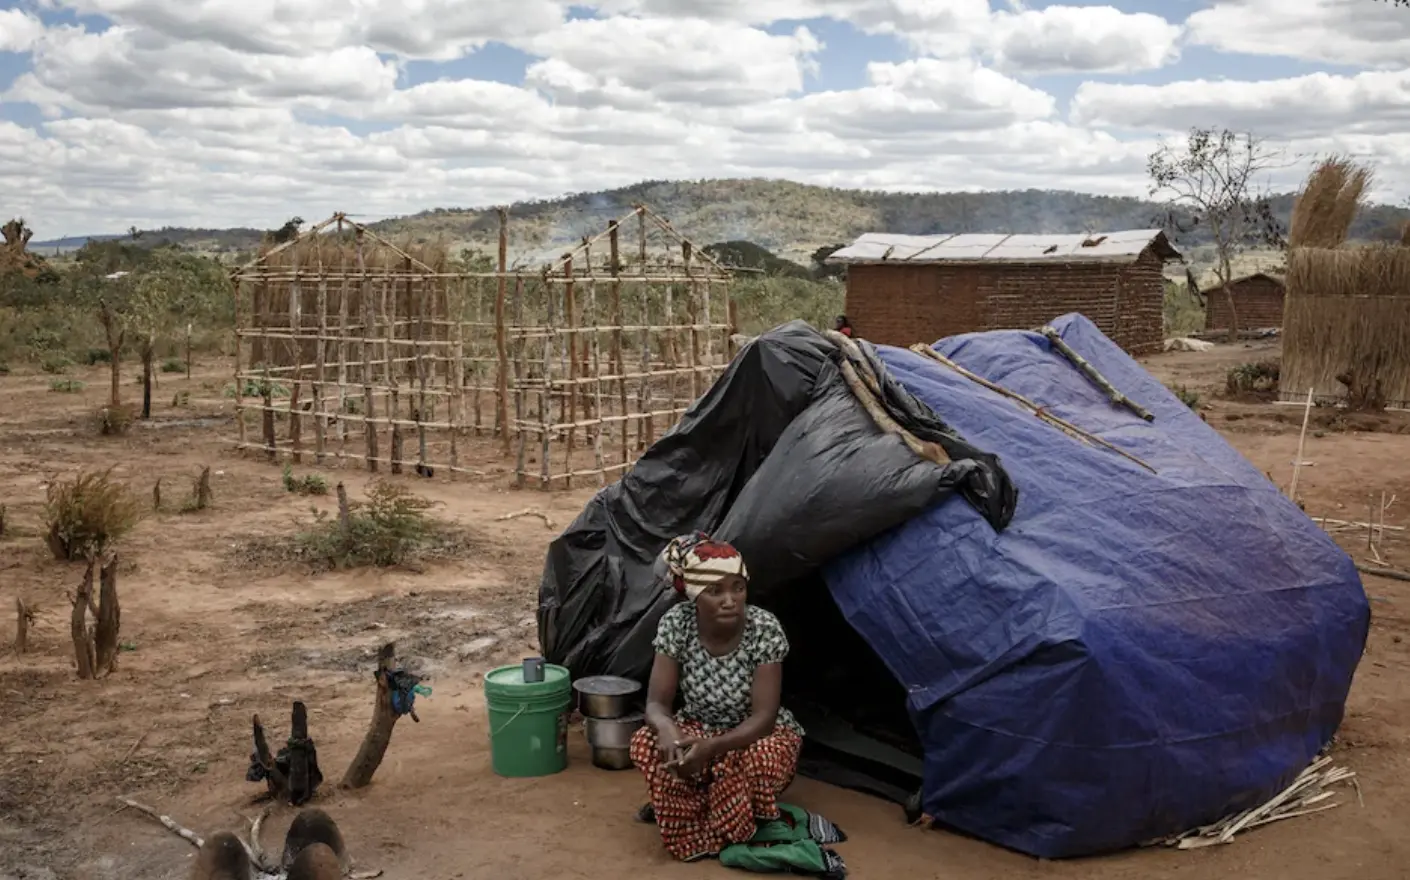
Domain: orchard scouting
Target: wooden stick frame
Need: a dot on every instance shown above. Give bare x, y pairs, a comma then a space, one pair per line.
575, 368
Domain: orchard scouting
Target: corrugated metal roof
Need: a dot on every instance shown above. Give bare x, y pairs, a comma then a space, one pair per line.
1112, 247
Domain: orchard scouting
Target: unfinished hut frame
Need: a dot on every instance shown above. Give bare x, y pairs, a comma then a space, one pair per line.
574, 368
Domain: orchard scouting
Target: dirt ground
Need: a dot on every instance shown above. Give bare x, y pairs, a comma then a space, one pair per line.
211, 641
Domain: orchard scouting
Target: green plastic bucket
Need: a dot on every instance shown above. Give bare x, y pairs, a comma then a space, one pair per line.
528, 720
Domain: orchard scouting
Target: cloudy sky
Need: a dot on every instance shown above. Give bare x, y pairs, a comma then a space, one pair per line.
244, 112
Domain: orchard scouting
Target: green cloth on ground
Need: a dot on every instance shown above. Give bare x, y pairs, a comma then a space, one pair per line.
790, 844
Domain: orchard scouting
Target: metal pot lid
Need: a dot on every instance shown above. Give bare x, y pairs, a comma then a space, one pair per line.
606, 686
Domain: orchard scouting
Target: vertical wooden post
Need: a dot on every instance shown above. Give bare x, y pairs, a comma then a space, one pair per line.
239, 346
648, 422
416, 301
296, 345
521, 348
669, 344
320, 401
546, 403
390, 347
188, 351
693, 312
477, 358
455, 370
618, 320
732, 314
344, 297
501, 407
597, 384
570, 319
369, 400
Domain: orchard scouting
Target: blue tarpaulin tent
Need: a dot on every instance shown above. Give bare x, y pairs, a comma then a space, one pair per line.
1119, 655
1136, 653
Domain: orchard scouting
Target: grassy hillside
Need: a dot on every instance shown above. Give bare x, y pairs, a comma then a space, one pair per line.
789, 219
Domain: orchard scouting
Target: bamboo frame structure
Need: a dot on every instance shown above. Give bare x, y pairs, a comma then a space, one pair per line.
573, 369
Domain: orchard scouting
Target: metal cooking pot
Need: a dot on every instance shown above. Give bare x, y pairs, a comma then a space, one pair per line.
613, 733
605, 696
612, 759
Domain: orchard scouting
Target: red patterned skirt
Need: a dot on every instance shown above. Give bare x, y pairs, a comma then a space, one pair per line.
702, 816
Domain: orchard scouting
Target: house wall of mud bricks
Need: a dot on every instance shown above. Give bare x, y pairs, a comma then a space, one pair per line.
1258, 301
902, 305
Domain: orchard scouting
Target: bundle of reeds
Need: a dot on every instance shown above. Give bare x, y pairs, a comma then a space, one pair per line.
1346, 325
1324, 210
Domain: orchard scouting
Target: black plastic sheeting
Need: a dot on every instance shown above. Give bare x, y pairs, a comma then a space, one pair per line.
780, 459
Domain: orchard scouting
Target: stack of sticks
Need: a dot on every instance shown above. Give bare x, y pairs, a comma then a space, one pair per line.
1308, 794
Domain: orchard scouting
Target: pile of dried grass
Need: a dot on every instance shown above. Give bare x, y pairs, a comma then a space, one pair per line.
1346, 325
1324, 210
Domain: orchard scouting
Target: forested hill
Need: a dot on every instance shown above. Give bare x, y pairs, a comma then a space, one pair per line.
789, 219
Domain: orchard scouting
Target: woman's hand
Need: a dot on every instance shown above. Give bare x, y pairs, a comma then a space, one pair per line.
668, 738
696, 754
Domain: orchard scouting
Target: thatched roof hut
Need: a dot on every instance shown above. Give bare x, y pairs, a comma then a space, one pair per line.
1346, 326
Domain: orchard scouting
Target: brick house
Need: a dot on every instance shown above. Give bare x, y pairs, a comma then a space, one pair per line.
904, 289
1258, 301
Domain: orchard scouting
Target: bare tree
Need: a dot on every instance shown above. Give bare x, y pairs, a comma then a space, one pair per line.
1211, 183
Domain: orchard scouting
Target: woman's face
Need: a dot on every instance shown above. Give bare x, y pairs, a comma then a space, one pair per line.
723, 603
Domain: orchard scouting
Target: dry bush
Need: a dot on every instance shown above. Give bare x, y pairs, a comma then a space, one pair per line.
87, 513
309, 484
1329, 201
1258, 378
114, 421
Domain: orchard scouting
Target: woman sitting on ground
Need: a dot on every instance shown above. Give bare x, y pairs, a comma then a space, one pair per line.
715, 770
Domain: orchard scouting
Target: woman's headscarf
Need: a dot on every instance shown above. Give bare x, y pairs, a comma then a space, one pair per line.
698, 562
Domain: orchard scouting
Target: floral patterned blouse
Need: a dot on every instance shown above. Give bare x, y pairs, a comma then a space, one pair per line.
717, 691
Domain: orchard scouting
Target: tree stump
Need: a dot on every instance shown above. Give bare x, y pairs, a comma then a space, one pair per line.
293, 776
96, 647
24, 616
379, 731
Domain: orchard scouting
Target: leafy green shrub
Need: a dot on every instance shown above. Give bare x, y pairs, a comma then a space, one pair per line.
87, 513
310, 484
97, 356
388, 529
56, 362
173, 365
66, 386
4, 369
1260, 377
1188, 396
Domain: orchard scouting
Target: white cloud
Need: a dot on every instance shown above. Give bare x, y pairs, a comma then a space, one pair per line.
1049, 40
1351, 32
689, 60
245, 112
434, 29
1094, 39
18, 30
128, 68
1316, 105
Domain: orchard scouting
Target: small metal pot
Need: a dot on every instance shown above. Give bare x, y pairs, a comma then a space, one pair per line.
605, 696
612, 759
610, 740
613, 733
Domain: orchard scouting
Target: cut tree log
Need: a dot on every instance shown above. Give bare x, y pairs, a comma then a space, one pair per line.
83, 648
274, 779
23, 617
379, 731
105, 632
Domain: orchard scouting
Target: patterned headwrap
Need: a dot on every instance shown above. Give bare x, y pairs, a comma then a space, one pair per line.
697, 562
